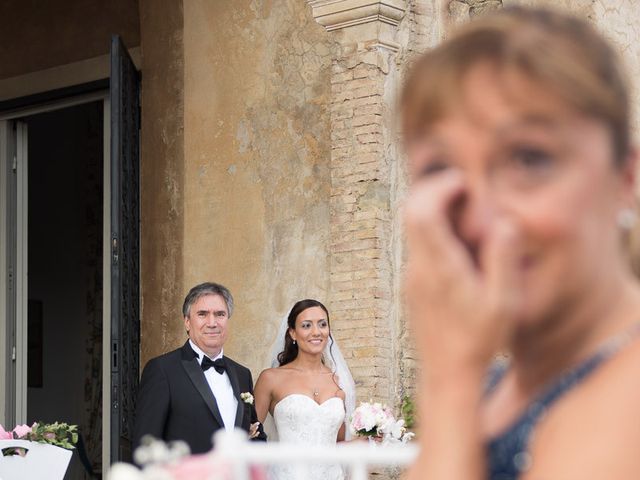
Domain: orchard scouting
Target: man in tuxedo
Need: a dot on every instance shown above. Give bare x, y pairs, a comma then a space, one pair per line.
190, 393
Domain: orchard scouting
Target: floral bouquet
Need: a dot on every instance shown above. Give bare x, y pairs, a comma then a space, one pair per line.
376, 421
59, 434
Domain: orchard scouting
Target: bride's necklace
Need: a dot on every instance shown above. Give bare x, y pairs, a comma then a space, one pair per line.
315, 390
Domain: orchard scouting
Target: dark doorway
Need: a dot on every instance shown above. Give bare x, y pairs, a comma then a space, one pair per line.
65, 242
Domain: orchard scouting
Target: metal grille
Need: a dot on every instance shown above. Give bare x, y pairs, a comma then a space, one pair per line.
125, 245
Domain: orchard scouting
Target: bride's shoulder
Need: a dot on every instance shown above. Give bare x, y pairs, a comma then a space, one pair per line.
267, 372
265, 375
266, 380
270, 374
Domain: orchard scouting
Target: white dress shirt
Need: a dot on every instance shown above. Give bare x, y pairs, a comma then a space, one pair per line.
221, 388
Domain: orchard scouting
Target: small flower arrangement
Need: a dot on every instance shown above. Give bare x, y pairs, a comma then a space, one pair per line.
247, 397
59, 434
171, 461
376, 421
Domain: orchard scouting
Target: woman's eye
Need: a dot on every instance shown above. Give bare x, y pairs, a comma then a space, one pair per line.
533, 159
432, 167
323, 324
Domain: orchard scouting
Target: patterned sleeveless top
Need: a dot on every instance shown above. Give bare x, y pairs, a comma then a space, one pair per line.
508, 453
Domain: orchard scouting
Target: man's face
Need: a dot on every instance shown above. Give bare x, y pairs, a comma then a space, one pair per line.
207, 323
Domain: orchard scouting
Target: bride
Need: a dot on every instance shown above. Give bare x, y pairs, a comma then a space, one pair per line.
310, 393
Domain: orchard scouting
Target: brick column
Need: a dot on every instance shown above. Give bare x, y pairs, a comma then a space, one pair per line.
364, 300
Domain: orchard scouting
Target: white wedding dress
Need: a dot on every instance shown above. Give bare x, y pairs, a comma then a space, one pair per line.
302, 421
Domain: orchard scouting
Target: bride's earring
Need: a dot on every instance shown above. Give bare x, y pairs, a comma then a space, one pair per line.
627, 218
294, 342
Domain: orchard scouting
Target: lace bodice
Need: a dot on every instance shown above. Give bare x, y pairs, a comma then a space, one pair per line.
299, 419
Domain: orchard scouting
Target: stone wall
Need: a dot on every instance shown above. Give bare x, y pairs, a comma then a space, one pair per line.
162, 176
362, 179
365, 181
257, 149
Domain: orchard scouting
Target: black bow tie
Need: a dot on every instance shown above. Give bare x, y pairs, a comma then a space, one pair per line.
219, 364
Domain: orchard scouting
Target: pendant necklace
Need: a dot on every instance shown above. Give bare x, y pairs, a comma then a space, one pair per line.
315, 392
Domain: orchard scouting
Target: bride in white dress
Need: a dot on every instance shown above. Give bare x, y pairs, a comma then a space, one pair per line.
310, 393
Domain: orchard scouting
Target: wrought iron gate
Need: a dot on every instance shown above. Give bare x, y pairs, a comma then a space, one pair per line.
125, 247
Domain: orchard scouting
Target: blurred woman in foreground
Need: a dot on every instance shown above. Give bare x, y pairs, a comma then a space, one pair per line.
518, 136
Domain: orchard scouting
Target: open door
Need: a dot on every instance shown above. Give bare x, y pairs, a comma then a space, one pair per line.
13, 265
125, 248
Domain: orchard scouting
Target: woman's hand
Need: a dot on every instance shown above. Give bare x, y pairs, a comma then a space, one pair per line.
463, 294
463, 299
253, 430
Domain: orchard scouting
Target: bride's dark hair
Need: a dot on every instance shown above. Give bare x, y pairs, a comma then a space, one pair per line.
290, 351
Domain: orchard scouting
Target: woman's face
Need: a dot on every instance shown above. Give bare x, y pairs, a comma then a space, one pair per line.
312, 330
527, 155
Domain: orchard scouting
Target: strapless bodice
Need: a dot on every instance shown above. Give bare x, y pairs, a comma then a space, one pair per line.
300, 419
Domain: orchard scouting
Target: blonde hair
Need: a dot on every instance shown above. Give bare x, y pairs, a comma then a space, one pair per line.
559, 52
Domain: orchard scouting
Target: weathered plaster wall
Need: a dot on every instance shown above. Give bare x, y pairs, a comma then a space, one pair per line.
36, 35
257, 148
162, 174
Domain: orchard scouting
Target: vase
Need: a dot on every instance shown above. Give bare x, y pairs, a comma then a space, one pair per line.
41, 461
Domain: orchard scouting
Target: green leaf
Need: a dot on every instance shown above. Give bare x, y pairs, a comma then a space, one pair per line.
58, 434
408, 410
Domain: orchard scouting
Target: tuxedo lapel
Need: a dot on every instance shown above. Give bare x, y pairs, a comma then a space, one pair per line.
233, 378
195, 373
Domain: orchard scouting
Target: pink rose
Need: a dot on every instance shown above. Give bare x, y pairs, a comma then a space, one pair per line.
4, 435
22, 430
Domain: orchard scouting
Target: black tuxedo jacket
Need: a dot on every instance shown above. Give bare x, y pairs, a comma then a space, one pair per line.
176, 403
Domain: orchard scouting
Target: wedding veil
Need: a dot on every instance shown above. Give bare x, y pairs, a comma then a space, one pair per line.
333, 359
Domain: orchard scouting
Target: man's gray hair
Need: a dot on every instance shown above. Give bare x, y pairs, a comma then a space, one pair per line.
207, 288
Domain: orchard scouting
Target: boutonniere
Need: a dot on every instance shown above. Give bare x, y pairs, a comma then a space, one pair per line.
247, 398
